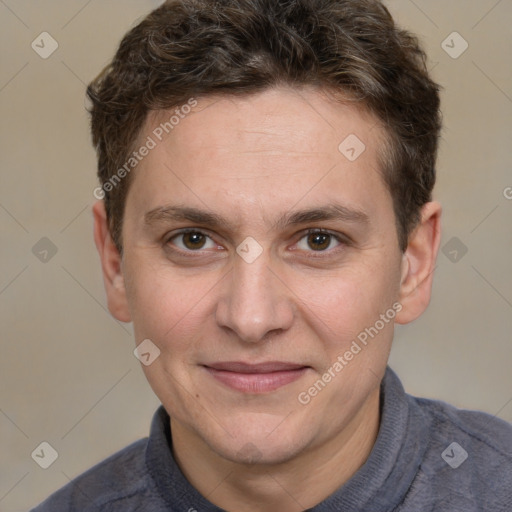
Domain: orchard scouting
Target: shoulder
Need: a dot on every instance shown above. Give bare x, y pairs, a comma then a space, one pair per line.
484, 434
468, 458
109, 485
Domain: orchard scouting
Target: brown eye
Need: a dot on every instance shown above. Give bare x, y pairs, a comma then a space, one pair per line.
319, 241
192, 241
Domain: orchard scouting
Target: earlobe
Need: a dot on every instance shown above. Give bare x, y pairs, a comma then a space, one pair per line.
111, 265
418, 264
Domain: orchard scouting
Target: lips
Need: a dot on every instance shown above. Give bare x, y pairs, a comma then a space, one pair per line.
269, 367
256, 378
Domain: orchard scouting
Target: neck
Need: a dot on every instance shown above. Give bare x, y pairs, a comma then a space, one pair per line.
291, 486
297, 484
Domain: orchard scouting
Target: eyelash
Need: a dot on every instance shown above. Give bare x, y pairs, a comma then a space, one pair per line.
342, 240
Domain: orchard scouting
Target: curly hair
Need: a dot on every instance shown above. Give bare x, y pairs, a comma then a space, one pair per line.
193, 48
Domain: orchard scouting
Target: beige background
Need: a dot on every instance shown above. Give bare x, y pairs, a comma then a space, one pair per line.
68, 375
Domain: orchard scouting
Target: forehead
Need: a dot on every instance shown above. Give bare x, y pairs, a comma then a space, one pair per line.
296, 122
265, 152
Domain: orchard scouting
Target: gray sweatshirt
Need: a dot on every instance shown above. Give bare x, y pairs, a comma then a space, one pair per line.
428, 456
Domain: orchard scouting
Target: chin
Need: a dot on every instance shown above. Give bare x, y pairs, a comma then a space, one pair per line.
269, 440
262, 453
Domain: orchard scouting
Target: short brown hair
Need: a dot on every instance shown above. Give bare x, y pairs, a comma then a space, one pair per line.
193, 48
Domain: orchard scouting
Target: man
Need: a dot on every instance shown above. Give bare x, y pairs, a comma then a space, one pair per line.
265, 218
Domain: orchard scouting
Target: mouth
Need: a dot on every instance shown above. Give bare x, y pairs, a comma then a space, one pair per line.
256, 378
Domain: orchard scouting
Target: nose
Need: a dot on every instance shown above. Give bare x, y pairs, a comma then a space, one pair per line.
254, 302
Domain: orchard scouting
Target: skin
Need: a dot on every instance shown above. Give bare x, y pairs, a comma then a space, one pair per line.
254, 160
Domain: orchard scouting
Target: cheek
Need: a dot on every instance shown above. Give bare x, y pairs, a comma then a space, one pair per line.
342, 304
166, 305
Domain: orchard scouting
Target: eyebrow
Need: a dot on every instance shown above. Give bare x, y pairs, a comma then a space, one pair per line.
213, 220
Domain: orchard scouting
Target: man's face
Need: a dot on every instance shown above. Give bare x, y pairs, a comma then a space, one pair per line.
244, 335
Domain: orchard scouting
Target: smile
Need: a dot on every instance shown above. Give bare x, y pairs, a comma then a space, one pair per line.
256, 378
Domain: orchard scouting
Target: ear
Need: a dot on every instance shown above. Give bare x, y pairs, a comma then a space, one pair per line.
418, 262
111, 265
